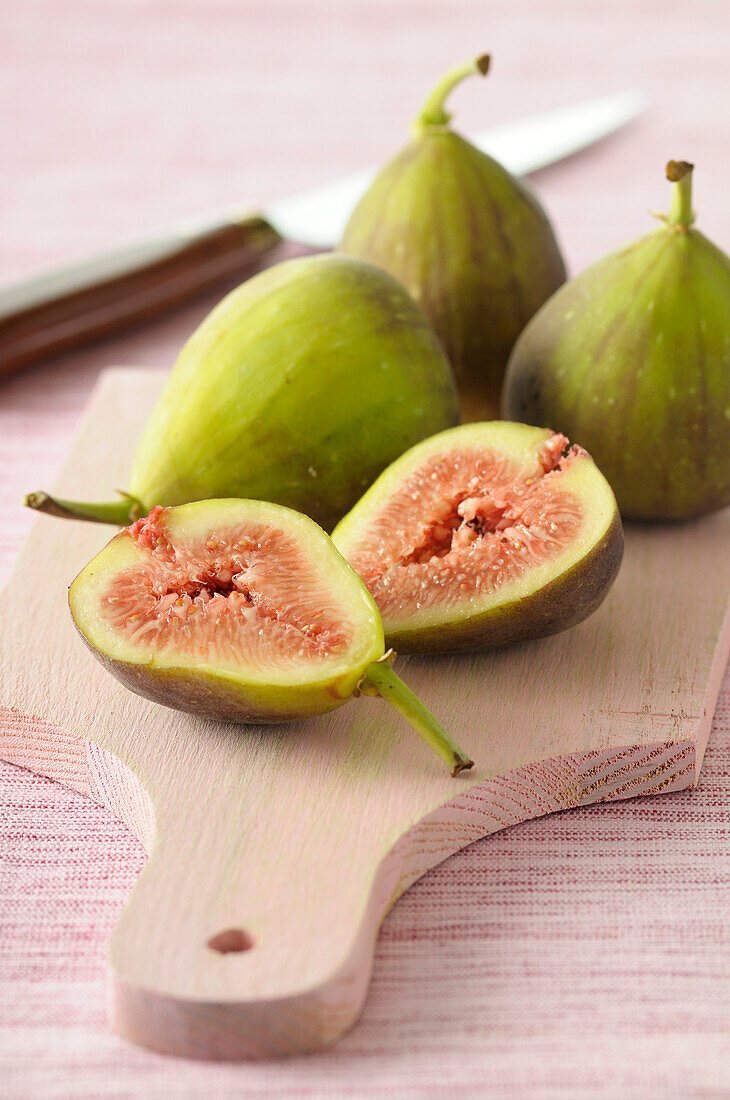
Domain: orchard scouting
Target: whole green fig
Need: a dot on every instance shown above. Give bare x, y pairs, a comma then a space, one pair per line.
469, 242
633, 358
299, 388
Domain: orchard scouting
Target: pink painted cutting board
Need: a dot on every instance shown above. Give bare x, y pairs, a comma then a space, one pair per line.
274, 853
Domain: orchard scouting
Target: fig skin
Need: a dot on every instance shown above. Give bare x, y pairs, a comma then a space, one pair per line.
632, 357
556, 604
214, 696
162, 555
299, 388
470, 242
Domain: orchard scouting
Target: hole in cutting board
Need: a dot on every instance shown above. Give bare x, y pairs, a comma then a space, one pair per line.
231, 940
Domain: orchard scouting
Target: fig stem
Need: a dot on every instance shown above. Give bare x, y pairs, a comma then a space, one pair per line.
389, 686
433, 112
681, 215
121, 512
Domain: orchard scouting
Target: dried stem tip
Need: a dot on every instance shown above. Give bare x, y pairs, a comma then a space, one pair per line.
678, 169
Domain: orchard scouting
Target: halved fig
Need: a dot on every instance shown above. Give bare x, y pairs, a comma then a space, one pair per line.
243, 611
483, 535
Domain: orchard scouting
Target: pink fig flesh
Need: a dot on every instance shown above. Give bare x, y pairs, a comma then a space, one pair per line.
483, 535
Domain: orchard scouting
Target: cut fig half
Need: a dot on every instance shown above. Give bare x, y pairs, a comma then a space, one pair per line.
484, 535
242, 611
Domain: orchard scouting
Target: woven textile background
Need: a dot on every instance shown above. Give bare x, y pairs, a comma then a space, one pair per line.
583, 955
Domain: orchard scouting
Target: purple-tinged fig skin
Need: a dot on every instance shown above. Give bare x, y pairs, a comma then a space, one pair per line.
470, 243
562, 603
632, 357
209, 695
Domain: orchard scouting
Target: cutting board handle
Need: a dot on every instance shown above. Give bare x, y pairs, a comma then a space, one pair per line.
211, 911
235, 944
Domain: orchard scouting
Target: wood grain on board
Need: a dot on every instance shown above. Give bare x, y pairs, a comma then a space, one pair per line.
285, 846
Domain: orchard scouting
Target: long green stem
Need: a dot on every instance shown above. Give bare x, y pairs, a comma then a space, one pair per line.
380, 677
433, 112
681, 215
121, 512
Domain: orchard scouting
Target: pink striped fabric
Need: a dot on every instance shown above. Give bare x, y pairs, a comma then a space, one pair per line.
586, 954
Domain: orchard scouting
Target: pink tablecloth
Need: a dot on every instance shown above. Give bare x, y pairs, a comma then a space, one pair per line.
587, 954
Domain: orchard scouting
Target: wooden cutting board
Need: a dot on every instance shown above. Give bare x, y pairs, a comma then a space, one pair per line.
275, 852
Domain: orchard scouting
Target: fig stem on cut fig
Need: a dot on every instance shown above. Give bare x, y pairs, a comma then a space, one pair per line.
679, 172
380, 676
433, 112
121, 512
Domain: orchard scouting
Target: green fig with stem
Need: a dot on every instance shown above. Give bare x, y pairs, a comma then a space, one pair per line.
299, 388
632, 357
470, 243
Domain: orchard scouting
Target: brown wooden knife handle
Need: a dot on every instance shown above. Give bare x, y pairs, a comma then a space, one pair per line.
59, 320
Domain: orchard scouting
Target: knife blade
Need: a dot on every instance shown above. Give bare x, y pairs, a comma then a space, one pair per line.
73, 305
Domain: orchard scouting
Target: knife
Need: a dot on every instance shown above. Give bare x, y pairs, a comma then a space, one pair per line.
74, 305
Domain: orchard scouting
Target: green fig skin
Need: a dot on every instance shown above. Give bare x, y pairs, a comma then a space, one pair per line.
472, 246
299, 388
632, 357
